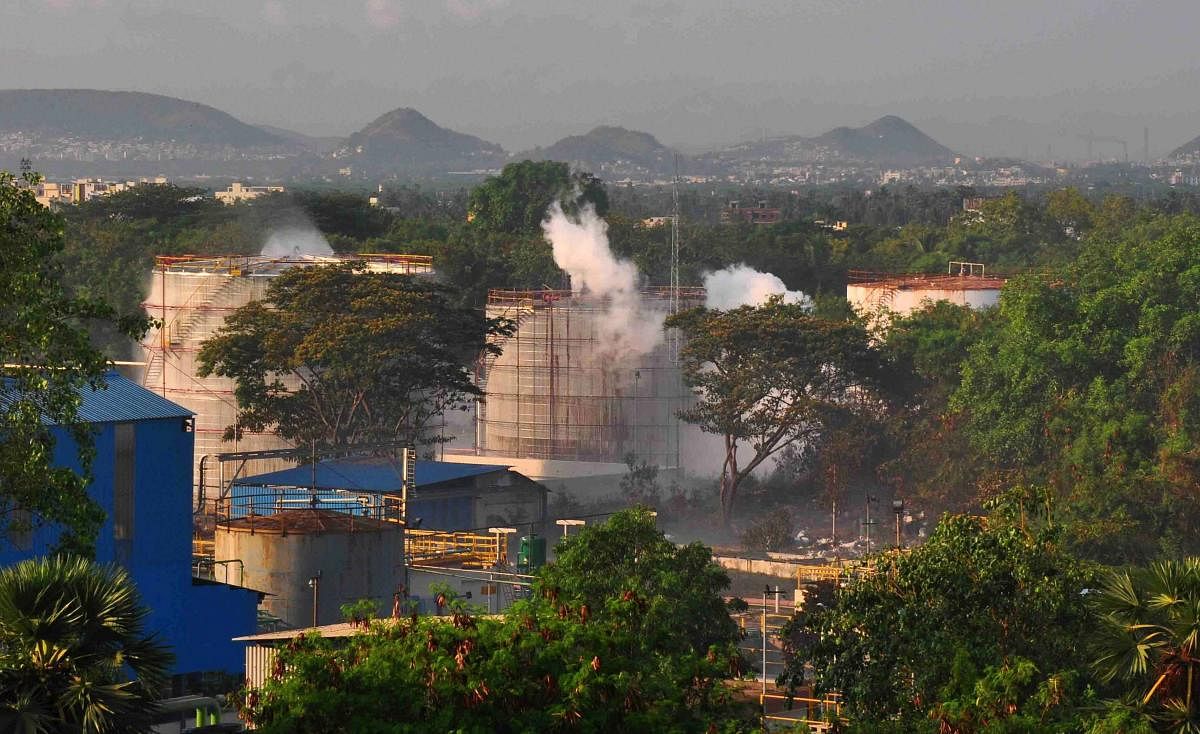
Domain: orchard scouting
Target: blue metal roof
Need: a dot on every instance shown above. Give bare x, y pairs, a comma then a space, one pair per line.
367, 475
120, 401
124, 400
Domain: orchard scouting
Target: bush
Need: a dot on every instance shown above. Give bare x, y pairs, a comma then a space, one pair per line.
772, 533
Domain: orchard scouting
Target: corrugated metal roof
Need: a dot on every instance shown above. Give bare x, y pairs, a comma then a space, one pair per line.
124, 400
368, 475
120, 401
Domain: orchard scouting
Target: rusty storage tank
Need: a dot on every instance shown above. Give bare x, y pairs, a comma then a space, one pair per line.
350, 557
556, 392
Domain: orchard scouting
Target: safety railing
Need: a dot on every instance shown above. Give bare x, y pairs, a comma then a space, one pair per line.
818, 714
242, 264
265, 506
468, 549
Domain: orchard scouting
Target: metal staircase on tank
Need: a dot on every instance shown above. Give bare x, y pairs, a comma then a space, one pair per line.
173, 334
219, 297
517, 313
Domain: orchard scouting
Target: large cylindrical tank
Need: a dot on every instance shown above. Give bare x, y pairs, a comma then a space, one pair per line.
559, 392
190, 298
351, 557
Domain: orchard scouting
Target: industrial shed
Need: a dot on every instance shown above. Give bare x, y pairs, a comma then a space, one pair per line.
447, 496
142, 479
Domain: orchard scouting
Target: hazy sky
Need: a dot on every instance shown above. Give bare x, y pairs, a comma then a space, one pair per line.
1010, 76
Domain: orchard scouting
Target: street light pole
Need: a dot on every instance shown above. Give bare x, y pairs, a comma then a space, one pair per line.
898, 508
314, 583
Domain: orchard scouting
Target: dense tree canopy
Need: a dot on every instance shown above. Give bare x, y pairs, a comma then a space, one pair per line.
984, 601
46, 359
1090, 384
515, 202
582, 654
681, 584
376, 356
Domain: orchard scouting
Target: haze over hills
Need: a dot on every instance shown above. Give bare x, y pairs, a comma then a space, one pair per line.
888, 141
106, 115
405, 137
1188, 151
609, 147
312, 143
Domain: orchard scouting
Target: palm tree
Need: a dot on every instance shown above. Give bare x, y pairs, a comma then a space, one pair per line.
74, 654
1149, 639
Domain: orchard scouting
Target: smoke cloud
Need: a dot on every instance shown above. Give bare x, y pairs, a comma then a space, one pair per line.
581, 248
296, 241
742, 285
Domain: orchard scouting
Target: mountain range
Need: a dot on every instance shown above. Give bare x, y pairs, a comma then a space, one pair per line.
888, 141
103, 115
607, 147
77, 126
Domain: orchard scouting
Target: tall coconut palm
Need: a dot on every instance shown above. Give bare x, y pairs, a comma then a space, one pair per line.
74, 653
1150, 638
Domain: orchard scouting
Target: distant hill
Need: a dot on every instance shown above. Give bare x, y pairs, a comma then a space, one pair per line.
104, 115
609, 147
311, 143
888, 141
405, 137
1188, 151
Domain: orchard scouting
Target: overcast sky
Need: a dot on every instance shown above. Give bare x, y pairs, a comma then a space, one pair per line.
982, 76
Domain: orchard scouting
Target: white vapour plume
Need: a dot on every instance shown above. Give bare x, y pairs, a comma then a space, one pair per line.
742, 285
296, 241
581, 248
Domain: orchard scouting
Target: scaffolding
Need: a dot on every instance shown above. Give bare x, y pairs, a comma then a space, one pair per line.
556, 392
189, 298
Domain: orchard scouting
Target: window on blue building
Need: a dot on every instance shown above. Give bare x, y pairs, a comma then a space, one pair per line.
124, 440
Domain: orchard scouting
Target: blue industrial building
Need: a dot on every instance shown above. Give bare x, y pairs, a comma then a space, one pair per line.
142, 478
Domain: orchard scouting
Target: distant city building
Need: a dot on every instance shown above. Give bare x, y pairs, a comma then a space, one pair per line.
80, 190
240, 192
761, 214
652, 222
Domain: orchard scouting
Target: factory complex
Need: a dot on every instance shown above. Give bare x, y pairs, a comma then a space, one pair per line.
229, 539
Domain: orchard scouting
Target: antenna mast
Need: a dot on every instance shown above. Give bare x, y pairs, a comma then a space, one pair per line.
673, 338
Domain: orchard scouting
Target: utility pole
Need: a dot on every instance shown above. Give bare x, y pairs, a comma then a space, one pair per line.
314, 583
674, 336
898, 508
868, 522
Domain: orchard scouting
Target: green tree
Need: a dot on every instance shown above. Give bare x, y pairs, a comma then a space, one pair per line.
46, 360
681, 585
515, 201
595, 649
770, 377
74, 654
376, 355
929, 458
1090, 385
987, 604
1148, 638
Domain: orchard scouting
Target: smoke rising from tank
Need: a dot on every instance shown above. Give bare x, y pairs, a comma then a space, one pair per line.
298, 240
630, 328
742, 285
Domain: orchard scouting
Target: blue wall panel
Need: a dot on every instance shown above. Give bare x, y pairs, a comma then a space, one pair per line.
196, 620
